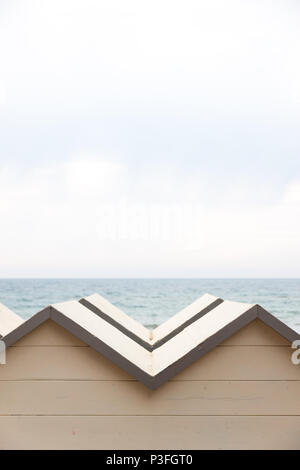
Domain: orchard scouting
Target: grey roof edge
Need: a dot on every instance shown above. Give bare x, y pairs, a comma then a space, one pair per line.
277, 325
27, 326
150, 347
99, 346
256, 312
206, 346
59, 318
152, 382
184, 325
116, 324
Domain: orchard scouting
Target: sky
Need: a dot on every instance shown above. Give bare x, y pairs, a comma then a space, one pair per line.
149, 139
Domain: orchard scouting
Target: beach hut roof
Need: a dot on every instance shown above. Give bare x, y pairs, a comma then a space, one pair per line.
151, 367
150, 339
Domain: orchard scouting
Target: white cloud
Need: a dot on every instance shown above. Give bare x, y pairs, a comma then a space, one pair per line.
214, 57
292, 195
83, 218
192, 112
88, 177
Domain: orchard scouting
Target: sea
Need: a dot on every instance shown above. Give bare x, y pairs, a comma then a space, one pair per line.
152, 301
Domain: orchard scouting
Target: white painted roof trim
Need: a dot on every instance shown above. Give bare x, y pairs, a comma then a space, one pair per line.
156, 367
8, 320
148, 338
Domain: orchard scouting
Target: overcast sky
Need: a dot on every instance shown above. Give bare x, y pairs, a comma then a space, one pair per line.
149, 138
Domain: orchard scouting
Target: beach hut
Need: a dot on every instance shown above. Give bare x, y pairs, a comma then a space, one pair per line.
83, 375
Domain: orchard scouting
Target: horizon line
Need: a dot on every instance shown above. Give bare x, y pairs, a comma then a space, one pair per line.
148, 278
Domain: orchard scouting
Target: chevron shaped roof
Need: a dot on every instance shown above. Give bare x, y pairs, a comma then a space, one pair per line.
150, 367
150, 339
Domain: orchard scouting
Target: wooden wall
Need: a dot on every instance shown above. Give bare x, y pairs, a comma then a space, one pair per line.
57, 393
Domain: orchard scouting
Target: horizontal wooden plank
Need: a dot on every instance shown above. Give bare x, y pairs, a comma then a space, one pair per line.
243, 363
60, 363
83, 363
145, 432
133, 398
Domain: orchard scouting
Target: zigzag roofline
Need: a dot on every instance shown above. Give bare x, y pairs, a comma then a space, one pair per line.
152, 368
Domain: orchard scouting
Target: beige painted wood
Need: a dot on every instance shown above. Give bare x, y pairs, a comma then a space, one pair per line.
160, 432
83, 363
59, 362
132, 398
49, 334
257, 333
254, 390
222, 363
243, 363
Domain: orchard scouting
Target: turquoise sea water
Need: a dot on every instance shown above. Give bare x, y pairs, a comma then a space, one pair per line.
151, 301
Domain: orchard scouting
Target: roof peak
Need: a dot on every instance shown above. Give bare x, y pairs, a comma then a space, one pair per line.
159, 365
